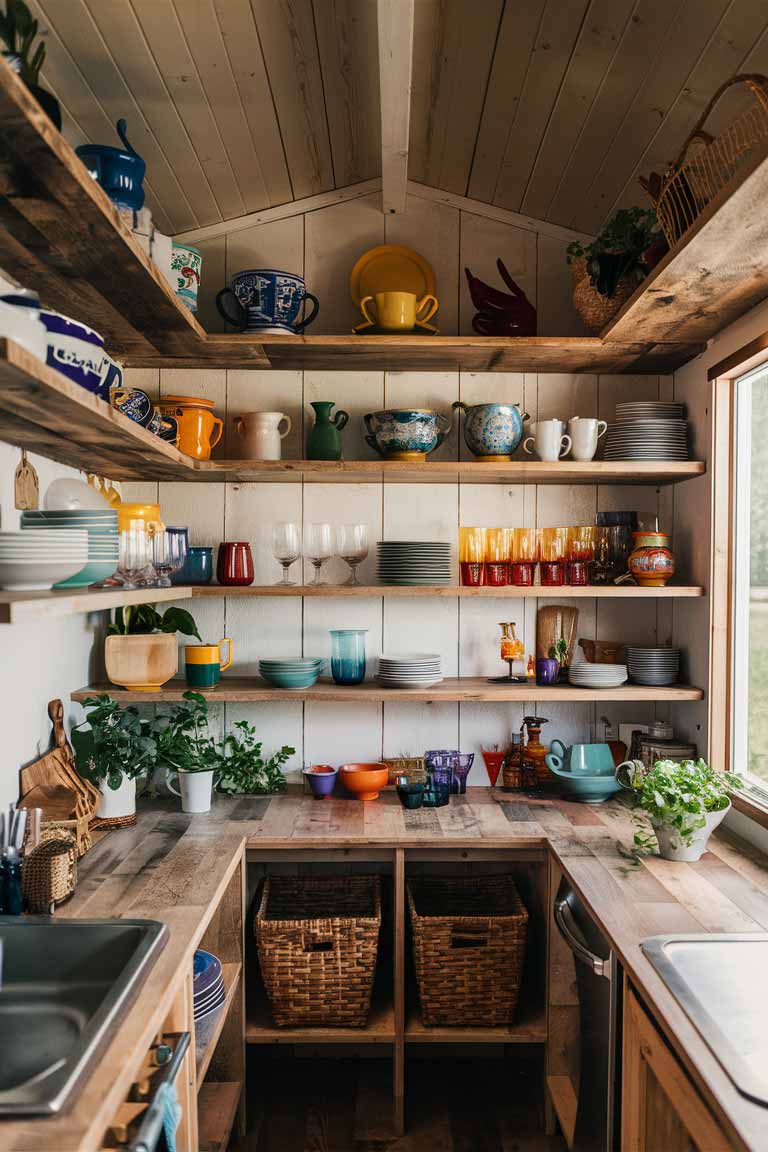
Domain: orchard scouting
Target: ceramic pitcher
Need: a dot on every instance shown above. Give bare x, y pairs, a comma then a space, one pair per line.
261, 435
324, 441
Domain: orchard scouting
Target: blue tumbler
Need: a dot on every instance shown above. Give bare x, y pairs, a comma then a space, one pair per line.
348, 655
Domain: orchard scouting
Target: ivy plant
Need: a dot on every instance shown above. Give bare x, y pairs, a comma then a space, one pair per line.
113, 743
184, 743
244, 769
678, 795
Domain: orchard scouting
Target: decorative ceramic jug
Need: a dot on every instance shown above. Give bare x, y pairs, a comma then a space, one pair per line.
261, 435
492, 431
651, 562
324, 441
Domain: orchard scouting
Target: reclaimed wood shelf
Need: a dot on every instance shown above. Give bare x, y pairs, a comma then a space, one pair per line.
18, 607
380, 1029
530, 1028
207, 1033
217, 1106
247, 689
508, 592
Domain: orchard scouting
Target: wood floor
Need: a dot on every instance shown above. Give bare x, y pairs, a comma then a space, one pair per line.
342, 1105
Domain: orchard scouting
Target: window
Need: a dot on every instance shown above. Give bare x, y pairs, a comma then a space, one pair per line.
749, 729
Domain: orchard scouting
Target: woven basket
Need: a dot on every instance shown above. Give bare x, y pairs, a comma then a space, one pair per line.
469, 938
596, 310
317, 939
49, 871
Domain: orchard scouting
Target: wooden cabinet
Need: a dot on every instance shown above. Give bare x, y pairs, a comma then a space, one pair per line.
662, 1110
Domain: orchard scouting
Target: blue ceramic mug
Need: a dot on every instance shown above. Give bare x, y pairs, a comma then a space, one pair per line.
198, 567
260, 298
119, 171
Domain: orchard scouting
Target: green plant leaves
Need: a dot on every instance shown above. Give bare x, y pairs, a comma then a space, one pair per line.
680, 795
143, 619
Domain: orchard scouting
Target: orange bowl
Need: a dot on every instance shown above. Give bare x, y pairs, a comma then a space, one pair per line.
364, 780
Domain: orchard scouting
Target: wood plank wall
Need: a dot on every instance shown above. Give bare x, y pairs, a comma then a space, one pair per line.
325, 244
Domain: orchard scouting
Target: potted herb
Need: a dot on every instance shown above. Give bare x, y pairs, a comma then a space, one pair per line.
140, 652
243, 768
18, 31
607, 271
684, 801
113, 746
186, 749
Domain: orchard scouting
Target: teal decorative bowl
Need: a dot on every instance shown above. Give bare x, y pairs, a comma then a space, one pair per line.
93, 573
586, 789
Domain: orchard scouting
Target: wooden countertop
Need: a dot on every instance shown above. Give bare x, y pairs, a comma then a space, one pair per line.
174, 868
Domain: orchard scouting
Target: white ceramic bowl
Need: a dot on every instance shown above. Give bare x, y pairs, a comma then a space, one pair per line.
67, 494
37, 575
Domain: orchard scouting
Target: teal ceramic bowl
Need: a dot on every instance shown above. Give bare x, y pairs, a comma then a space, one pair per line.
586, 789
94, 571
296, 680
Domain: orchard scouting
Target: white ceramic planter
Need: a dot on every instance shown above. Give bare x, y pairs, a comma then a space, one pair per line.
116, 803
673, 847
196, 788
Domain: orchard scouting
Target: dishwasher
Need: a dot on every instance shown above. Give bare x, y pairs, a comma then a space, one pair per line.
599, 984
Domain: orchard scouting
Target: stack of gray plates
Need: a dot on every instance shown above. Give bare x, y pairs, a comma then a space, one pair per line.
414, 562
412, 670
653, 666
648, 430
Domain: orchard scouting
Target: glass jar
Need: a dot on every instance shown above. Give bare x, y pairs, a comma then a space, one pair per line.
348, 655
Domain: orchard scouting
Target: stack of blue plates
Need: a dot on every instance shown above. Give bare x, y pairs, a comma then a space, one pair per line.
208, 985
101, 526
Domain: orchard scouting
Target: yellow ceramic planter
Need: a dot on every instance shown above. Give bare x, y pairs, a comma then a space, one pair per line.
141, 663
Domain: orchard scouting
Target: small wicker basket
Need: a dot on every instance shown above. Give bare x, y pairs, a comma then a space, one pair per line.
317, 939
469, 936
49, 871
595, 309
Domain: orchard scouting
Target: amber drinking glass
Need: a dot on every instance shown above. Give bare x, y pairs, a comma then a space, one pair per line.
472, 556
497, 548
524, 555
553, 551
581, 554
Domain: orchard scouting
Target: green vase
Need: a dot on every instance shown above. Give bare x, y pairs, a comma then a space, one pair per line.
324, 441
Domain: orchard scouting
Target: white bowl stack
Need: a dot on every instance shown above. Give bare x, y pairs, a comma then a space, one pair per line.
411, 670
584, 675
653, 666
100, 524
33, 561
648, 430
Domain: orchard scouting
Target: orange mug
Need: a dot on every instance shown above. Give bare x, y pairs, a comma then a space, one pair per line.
199, 429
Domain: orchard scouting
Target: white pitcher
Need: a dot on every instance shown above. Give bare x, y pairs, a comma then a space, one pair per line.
261, 435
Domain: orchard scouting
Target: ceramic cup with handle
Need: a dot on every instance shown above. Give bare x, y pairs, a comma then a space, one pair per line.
261, 434
203, 663
585, 433
548, 440
398, 311
582, 759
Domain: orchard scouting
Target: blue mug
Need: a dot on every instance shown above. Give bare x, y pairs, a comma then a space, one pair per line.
119, 171
198, 567
262, 298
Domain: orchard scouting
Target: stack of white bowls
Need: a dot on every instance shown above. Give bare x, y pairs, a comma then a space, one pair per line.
653, 666
102, 534
412, 670
33, 561
584, 675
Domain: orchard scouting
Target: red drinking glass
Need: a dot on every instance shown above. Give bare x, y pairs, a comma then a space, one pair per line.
493, 762
552, 573
234, 564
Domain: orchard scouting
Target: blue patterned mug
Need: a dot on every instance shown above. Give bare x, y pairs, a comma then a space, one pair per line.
259, 299
492, 431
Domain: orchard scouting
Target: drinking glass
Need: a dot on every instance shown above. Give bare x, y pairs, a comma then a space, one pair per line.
497, 549
581, 553
135, 549
318, 547
494, 758
348, 655
552, 556
352, 547
524, 556
286, 548
471, 555
169, 553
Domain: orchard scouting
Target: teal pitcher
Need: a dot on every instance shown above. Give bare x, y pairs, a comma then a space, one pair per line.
324, 441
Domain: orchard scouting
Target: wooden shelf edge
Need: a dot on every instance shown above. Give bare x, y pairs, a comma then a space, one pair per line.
564, 1102
531, 1030
380, 1029
360, 591
217, 1105
207, 1037
20, 607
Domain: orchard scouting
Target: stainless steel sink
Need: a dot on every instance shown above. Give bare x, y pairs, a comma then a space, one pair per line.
65, 986
719, 980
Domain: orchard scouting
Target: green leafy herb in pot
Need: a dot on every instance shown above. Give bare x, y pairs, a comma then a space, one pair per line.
184, 743
244, 770
113, 743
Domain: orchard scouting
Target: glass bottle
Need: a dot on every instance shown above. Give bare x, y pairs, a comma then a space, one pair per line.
510, 648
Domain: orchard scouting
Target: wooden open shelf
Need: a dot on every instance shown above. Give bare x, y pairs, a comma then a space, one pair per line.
380, 1029
508, 592
208, 1032
19, 607
217, 1106
530, 1028
249, 689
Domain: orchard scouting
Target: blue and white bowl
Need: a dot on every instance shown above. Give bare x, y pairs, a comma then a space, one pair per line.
492, 431
264, 300
406, 433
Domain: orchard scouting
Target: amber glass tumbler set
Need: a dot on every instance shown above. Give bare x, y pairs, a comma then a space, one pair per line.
495, 557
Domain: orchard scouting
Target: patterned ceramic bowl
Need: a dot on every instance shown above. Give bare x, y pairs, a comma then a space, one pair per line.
406, 433
492, 431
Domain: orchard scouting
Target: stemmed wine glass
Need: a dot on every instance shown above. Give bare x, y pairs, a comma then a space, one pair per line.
286, 547
169, 552
318, 547
352, 547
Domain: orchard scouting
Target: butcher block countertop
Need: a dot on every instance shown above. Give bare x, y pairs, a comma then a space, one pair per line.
174, 868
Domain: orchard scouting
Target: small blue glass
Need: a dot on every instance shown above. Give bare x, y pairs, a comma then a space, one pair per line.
348, 655
198, 567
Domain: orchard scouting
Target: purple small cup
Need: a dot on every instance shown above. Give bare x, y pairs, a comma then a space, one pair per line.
547, 671
321, 783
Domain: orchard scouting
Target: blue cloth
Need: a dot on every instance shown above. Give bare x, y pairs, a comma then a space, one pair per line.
171, 1115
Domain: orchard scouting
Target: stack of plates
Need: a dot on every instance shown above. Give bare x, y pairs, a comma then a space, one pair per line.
101, 526
657, 666
207, 985
414, 562
585, 675
33, 561
301, 672
648, 430
412, 670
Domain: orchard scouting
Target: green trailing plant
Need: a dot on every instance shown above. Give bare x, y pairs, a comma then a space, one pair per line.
113, 743
678, 795
618, 252
244, 769
143, 619
18, 31
184, 743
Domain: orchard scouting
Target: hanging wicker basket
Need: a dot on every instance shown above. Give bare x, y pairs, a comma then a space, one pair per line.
596, 310
706, 163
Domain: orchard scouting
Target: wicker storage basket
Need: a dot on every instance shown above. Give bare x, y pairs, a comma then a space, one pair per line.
596, 310
469, 938
317, 939
49, 871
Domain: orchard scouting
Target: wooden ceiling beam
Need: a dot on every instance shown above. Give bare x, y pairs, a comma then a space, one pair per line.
395, 25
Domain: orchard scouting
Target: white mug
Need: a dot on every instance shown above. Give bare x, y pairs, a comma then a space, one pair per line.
261, 435
585, 433
548, 440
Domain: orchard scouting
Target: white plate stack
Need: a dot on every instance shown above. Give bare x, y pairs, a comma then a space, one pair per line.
414, 562
653, 666
584, 675
648, 430
412, 670
33, 561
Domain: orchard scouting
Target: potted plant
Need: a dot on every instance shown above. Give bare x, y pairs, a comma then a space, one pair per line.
18, 31
113, 746
243, 768
140, 652
684, 801
607, 271
186, 749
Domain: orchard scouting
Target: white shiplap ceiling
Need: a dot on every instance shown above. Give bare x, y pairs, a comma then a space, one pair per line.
546, 107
